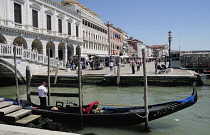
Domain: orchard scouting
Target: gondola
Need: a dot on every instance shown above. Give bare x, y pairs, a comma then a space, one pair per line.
108, 116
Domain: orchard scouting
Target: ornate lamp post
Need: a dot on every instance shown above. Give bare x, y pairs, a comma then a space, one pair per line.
169, 41
110, 52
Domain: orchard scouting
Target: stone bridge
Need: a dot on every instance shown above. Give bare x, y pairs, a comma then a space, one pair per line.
24, 57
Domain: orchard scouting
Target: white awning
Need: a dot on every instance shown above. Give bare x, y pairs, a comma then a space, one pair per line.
124, 56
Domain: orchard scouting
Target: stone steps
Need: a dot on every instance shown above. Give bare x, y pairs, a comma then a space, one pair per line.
10, 109
17, 115
5, 104
14, 114
27, 119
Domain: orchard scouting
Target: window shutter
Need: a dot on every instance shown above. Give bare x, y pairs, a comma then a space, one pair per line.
69, 28
77, 31
35, 18
17, 13
59, 25
48, 22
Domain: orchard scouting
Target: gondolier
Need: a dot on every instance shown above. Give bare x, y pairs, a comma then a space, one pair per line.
42, 91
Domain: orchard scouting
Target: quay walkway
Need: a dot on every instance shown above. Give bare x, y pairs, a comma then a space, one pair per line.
173, 77
126, 71
17, 130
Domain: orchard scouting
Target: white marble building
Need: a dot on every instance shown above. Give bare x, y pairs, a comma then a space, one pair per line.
95, 36
39, 25
125, 44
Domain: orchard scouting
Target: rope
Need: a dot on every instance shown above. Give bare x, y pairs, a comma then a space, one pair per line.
140, 115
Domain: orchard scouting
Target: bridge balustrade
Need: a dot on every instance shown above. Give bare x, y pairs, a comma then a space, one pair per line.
40, 58
7, 50
25, 54
34, 56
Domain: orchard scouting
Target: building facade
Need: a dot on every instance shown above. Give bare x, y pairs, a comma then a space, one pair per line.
159, 50
95, 36
115, 40
131, 51
41, 26
138, 46
148, 52
124, 50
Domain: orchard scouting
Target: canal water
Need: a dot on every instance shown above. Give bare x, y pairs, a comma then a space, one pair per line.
190, 121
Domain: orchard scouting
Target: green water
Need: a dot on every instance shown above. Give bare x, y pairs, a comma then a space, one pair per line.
193, 120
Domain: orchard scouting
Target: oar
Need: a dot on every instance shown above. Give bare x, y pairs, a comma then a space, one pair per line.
121, 105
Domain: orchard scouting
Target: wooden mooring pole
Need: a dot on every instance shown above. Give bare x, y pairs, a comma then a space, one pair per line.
56, 74
28, 81
78, 52
118, 74
16, 78
48, 77
146, 128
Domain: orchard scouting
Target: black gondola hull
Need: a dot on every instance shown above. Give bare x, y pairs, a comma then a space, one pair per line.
117, 116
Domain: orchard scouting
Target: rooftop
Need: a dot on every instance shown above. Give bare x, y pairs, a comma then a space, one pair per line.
158, 46
79, 4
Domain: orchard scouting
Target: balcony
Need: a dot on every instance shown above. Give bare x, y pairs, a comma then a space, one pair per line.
85, 38
35, 29
18, 25
49, 32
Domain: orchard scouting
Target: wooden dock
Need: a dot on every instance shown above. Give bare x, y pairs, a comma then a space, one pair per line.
14, 114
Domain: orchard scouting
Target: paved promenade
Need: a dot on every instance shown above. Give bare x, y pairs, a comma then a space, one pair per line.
17, 130
126, 71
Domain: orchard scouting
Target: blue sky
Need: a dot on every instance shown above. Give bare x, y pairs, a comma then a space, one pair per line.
150, 20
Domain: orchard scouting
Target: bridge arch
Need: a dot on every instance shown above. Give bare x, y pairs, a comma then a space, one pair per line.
37, 46
8, 72
50, 45
20, 42
2, 39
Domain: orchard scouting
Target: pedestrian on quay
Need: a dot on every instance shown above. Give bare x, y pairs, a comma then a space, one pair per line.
111, 64
74, 66
130, 62
86, 62
133, 65
156, 65
92, 64
138, 64
42, 91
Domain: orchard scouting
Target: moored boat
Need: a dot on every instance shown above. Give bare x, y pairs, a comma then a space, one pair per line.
109, 116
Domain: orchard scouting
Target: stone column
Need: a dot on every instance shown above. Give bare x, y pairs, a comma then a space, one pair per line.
73, 29
29, 42
65, 55
43, 20
55, 23
56, 49
28, 19
44, 44
65, 25
8, 18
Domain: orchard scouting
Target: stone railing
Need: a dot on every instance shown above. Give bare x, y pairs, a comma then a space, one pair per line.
25, 54
7, 50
